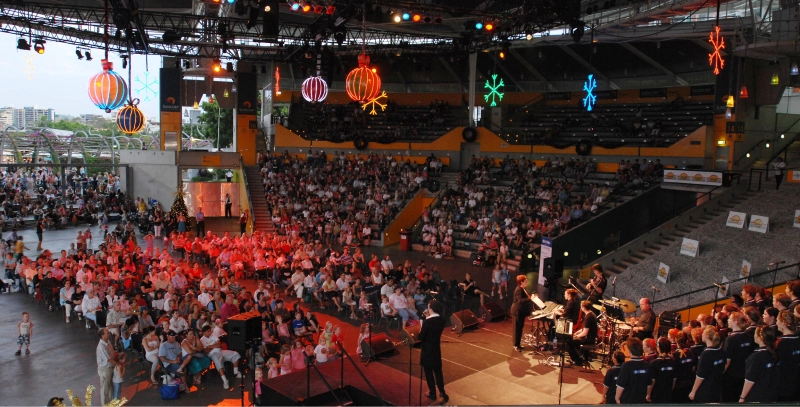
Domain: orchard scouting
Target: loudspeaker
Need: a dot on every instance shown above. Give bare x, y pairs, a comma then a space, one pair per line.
243, 329
553, 267
380, 344
462, 320
491, 311
410, 334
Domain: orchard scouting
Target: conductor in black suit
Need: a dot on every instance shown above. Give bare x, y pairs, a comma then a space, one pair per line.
520, 310
431, 356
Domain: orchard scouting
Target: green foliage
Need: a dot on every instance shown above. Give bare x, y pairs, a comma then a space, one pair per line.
212, 115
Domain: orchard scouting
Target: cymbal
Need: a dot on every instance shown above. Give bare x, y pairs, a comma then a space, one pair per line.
627, 306
599, 307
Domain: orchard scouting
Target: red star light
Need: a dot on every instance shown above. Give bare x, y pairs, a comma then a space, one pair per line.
715, 58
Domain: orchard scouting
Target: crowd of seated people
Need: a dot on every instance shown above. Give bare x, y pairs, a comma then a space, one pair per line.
155, 300
539, 202
635, 175
335, 201
78, 198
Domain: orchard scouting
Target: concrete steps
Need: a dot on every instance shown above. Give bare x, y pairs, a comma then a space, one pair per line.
261, 215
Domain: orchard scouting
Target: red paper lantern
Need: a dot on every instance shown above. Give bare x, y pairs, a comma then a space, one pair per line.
108, 90
363, 84
314, 89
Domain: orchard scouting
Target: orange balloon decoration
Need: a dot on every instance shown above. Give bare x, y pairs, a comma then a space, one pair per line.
362, 84
107, 90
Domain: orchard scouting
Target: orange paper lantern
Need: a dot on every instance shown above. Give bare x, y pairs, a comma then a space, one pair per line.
363, 84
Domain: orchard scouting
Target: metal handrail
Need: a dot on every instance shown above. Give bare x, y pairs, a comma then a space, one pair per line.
346, 355
781, 151
711, 287
252, 219
309, 366
755, 146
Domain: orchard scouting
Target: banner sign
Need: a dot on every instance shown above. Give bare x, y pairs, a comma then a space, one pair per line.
701, 90
546, 253
690, 247
745, 271
653, 93
759, 224
796, 221
736, 219
169, 86
558, 96
663, 273
693, 177
793, 176
605, 94
723, 291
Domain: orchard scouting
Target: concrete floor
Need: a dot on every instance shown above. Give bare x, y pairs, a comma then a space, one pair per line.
63, 355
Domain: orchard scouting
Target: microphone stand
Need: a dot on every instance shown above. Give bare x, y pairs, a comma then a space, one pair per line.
614, 284
714, 310
654, 293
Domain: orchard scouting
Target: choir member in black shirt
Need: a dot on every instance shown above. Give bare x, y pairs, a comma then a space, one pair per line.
610, 381
788, 357
635, 376
738, 346
769, 317
761, 369
710, 367
685, 365
663, 374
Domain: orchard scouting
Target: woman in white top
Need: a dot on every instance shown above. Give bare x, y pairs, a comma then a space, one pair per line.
150, 344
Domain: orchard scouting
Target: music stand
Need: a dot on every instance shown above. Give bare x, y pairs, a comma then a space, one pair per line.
532, 339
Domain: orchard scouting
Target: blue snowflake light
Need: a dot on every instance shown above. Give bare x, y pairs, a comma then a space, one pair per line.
589, 86
494, 90
147, 87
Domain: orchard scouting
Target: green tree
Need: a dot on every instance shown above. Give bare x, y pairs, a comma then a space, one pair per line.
212, 115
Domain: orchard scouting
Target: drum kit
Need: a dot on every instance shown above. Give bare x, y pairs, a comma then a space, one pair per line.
613, 328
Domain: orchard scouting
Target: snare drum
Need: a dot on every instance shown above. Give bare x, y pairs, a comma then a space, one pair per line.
623, 331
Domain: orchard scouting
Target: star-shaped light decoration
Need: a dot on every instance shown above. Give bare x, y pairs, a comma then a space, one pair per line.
715, 58
376, 102
494, 90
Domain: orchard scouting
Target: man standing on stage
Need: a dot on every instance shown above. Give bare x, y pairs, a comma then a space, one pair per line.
597, 286
200, 220
520, 310
431, 355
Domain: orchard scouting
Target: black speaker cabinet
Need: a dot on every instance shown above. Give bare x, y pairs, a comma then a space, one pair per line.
553, 267
243, 329
410, 334
380, 344
491, 311
462, 320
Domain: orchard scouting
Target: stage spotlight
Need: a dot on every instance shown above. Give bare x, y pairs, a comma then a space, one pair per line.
528, 34
406, 16
478, 25
88, 56
79, 54
416, 18
576, 30
489, 26
229, 67
397, 18
38, 46
23, 44
231, 1
263, 69
124, 62
216, 66
437, 20
295, 6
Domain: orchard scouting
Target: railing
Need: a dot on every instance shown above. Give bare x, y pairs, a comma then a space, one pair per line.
310, 365
762, 172
767, 278
755, 147
252, 219
346, 355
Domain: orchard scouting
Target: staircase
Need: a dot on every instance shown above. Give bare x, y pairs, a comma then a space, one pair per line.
678, 233
261, 215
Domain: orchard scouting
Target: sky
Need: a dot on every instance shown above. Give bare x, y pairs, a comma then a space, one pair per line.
59, 80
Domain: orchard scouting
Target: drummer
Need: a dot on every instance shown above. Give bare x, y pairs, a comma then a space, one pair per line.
597, 286
646, 322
